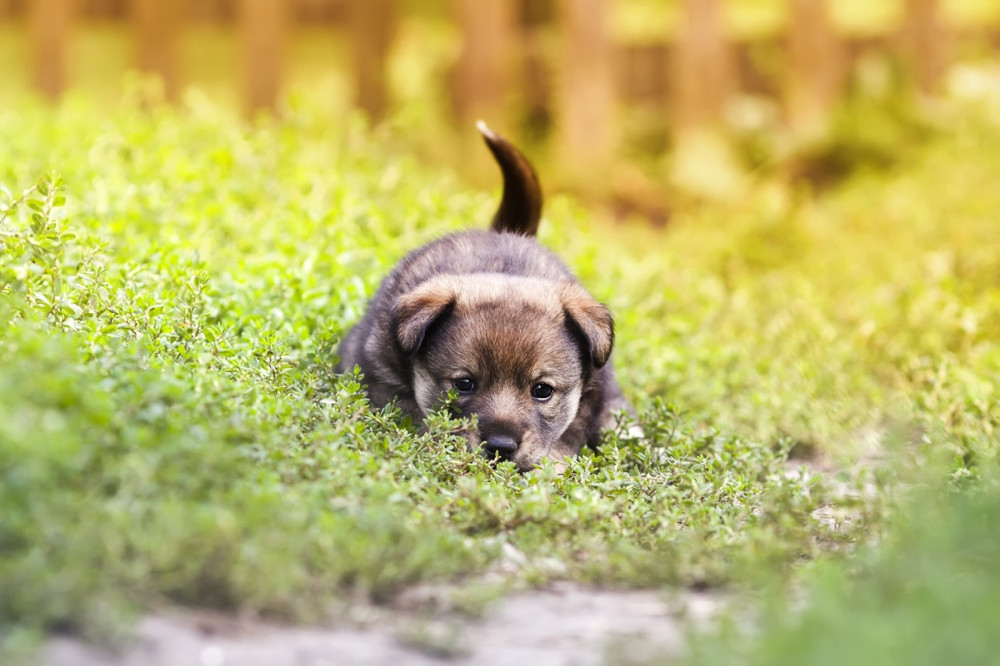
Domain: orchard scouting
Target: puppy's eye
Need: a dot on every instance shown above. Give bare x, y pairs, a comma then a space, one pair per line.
464, 385
541, 392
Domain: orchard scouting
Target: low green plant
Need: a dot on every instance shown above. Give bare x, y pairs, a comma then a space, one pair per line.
171, 431
926, 595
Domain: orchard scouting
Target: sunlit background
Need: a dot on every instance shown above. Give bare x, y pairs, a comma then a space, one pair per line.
633, 102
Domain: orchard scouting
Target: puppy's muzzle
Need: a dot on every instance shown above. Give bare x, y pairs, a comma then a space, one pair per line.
500, 446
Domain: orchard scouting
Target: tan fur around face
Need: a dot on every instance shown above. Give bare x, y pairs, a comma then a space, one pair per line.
507, 334
416, 310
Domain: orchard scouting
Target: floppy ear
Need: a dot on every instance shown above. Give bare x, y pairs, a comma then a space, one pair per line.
591, 319
414, 313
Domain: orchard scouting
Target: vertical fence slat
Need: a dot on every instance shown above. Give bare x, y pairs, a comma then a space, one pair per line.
49, 22
104, 8
926, 43
700, 73
586, 109
216, 11
482, 74
372, 29
703, 71
816, 67
155, 23
263, 24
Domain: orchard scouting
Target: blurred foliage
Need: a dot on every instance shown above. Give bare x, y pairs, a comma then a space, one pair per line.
427, 44
927, 595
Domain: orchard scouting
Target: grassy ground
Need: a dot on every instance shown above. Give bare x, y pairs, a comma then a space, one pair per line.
171, 431
928, 595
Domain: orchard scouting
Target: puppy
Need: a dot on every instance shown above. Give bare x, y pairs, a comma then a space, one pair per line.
502, 321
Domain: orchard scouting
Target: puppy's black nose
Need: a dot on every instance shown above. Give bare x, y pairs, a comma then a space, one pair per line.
502, 446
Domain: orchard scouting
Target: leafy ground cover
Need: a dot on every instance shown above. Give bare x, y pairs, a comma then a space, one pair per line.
928, 595
171, 431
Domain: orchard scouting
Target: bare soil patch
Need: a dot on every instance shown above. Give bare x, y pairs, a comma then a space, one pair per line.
566, 625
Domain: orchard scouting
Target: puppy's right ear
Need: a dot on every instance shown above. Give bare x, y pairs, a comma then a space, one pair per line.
416, 311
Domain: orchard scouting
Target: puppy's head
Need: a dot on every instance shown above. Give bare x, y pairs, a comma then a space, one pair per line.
518, 351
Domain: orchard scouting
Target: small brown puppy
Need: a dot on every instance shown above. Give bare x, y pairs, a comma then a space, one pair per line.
500, 319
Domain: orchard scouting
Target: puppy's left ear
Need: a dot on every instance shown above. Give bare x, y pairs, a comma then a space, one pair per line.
416, 311
591, 319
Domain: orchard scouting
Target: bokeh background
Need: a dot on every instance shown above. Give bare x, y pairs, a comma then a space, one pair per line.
632, 104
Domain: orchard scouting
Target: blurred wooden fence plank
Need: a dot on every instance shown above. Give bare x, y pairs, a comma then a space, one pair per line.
263, 24
926, 43
690, 77
703, 71
321, 11
483, 72
108, 8
641, 72
155, 24
586, 123
50, 22
214, 10
816, 67
372, 31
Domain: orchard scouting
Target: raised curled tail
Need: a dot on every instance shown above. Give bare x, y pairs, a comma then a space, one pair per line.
521, 206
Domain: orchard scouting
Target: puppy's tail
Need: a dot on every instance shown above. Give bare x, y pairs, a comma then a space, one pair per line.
521, 206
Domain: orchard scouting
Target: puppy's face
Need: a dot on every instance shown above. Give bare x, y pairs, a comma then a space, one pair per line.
518, 351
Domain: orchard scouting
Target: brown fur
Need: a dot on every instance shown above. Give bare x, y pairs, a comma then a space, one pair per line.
496, 309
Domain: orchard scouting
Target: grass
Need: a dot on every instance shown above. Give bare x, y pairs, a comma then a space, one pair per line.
171, 431
928, 595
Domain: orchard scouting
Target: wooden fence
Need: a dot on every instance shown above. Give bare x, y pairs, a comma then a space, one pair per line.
690, 76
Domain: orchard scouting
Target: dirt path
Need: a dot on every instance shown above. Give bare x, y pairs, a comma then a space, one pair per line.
564, 626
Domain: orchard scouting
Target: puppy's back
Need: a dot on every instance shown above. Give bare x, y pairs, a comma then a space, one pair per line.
471, 252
